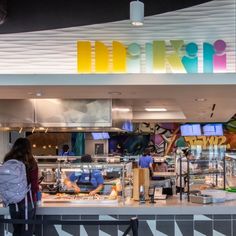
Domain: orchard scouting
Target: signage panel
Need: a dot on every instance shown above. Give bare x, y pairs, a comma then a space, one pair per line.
174, 56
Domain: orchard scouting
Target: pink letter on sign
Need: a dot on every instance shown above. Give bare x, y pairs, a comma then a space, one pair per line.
219, 59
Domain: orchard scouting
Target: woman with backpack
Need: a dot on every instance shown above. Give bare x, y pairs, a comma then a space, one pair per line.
21, 151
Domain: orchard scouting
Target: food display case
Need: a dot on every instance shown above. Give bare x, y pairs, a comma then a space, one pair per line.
203, 172
230, 171
54, 190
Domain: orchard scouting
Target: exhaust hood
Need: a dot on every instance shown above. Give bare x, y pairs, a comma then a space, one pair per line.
57, 113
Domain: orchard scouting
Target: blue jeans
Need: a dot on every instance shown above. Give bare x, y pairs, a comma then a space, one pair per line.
19, 229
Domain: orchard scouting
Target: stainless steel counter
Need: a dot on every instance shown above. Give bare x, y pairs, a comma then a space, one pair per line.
171, 206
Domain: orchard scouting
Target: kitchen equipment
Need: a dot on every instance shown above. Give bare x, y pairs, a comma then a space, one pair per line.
151, 194
201, 199
217, 195
195, 192
49, 176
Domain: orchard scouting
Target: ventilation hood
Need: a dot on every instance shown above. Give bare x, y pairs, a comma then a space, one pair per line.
55, 113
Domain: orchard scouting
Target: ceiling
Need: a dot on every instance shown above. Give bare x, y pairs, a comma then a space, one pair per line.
28, 15
178, 98
36, 45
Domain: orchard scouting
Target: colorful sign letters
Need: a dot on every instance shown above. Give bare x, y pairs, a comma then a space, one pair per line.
159, 57
206, 141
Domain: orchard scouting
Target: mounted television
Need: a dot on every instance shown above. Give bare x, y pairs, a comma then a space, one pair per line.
103, 135
128, 126
213, 130
190, 130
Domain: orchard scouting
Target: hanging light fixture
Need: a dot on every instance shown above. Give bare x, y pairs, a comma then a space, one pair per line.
136, 13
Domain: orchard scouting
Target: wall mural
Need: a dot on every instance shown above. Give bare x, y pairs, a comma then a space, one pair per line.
131, 144
162, 137
230, 132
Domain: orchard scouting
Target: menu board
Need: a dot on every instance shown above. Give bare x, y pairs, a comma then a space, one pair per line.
212, 130
191, 130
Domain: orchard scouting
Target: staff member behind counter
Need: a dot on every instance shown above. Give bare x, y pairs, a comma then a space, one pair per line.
146, 160
88, 181
66, 151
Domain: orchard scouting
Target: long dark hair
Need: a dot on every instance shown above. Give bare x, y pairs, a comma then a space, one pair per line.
21, 151
86, 158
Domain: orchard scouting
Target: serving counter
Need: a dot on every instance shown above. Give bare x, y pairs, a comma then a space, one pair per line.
166, 217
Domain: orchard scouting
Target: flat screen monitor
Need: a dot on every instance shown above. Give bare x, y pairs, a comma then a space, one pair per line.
103, 135
128, 126
190, 130
213, 130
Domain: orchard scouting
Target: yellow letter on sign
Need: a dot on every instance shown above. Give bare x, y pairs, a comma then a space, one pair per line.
119, 57
84, 57
101, 58
159, 54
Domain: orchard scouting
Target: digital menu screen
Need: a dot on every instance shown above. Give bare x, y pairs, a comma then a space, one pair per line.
97, 136
213, 130
191, 130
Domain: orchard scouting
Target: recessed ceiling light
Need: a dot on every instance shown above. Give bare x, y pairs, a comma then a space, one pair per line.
155, 109
200, 99
121, 109
38, 94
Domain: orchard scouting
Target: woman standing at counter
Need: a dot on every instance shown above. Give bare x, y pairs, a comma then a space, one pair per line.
88, 181
21, 151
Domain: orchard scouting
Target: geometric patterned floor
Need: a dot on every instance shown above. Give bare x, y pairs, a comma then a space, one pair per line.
149, 225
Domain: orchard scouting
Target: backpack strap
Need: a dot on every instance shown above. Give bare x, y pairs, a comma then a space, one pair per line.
27, 174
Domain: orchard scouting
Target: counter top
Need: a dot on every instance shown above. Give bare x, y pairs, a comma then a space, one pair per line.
164, 174
171, 206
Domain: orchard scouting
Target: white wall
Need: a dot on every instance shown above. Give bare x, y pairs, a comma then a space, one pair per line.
90, 145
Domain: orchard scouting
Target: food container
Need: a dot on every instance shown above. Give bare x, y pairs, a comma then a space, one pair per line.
217, 195
49, 176
201, 199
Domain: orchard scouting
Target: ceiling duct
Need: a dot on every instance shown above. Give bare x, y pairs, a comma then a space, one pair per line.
3, 11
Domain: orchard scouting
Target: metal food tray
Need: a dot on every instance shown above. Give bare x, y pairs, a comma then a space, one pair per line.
83, 201
201, 199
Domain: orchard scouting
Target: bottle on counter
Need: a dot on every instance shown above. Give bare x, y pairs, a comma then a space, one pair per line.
141, 194
119, 188
113, 194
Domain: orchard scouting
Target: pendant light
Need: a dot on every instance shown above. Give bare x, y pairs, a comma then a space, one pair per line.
136, 13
